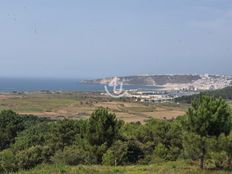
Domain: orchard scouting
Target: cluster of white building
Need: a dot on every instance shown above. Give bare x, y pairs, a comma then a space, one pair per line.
171, 91
206, 82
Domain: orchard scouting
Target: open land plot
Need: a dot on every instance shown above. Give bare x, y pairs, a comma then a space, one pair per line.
80, 105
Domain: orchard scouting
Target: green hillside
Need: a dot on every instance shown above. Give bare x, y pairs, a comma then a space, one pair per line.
199, 142
225, 93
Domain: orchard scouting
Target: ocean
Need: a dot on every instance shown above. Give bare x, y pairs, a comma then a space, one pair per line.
65, 85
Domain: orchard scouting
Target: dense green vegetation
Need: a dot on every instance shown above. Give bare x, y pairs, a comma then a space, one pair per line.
167, 167
203, 134
225, 93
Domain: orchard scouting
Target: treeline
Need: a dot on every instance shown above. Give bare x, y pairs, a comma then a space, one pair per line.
225, 93
204, 134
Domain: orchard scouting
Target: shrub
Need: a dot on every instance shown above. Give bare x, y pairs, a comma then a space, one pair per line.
218, 159
173, 153
10, 124
161, 151
108, 158
36, 135
29, 158
123, 153
72, 155
225, 145
7, 161
64, 133
191, 150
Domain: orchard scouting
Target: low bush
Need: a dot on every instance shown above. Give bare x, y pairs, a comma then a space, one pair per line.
7, 161
72, 155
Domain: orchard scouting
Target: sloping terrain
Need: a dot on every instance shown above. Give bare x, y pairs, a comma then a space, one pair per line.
149, 80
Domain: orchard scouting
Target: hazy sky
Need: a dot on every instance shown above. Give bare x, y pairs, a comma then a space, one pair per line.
98, 38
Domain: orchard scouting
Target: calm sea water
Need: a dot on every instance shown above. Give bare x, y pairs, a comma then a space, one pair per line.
30, 85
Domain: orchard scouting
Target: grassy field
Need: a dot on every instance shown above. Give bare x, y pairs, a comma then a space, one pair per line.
81, 105
178, 167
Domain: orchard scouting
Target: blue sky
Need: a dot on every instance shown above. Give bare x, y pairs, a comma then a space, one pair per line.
98, 38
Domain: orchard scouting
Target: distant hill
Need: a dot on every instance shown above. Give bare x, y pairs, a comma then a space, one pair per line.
225, 93
149, 79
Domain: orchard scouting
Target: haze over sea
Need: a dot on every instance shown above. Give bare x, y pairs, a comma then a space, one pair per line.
52, 84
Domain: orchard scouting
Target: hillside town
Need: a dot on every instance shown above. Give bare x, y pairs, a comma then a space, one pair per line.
170, 91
